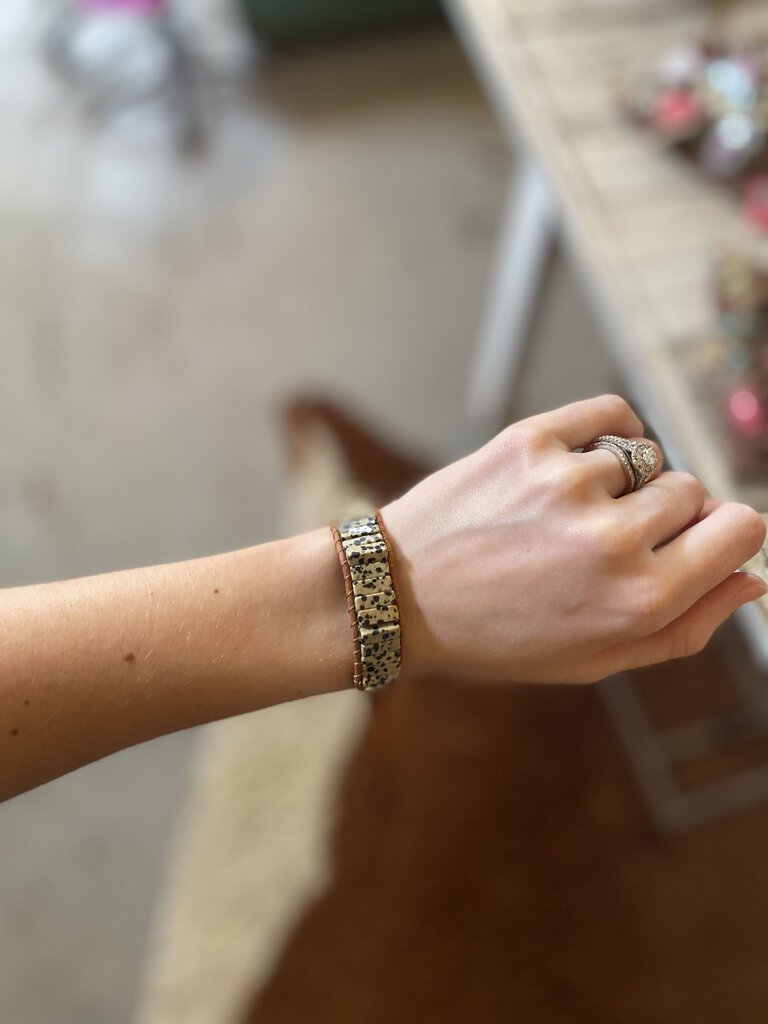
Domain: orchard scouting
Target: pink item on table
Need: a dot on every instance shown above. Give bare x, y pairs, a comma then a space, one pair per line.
746, 413
146, 6
756, 201
678, 112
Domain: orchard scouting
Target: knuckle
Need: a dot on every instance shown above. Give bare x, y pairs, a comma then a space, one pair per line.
615, 405
617, 410
514, 435
536, 435
571, 478
753, 525
503, 439
504, 445
518, 444
693, 489
509, 432
744, 528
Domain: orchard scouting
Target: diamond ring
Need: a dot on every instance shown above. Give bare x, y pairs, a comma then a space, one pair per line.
638, 458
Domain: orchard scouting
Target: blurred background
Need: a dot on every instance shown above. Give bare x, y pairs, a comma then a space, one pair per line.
157, 304
209, 208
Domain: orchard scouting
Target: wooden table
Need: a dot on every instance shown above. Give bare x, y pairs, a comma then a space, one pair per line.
639, 224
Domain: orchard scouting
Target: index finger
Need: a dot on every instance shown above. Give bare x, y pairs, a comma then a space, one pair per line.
577, 424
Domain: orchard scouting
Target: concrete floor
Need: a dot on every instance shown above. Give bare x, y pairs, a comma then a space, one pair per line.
339, 228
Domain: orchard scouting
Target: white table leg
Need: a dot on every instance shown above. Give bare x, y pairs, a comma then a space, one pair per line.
527, 234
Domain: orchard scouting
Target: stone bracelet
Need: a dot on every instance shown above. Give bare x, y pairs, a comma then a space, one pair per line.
371, 600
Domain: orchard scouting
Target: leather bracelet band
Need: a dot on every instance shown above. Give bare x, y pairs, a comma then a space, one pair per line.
358, 671
371, 600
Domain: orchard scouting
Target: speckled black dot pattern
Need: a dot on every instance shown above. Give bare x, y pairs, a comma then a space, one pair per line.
376, 608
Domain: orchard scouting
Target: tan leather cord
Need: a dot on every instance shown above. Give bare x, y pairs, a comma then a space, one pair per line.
357, 677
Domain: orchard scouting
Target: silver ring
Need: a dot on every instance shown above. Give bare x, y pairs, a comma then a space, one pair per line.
638, 458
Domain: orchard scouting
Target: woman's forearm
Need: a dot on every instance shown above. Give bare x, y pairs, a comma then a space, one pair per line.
93, 665
541, 557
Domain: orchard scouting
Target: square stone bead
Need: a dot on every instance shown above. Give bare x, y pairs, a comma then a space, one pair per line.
377, 646
380, 667
379, 641
365, 550
388, 632
375, 610
359, 527
370, 579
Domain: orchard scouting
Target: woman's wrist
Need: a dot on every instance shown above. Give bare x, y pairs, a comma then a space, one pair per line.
420, 653
321, 647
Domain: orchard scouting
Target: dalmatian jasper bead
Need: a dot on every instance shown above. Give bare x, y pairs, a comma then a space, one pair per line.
376, 609
365, 550
359, 528
371, 579
380, 665
380, 638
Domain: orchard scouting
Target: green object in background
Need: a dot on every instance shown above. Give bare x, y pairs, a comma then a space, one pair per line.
294, 21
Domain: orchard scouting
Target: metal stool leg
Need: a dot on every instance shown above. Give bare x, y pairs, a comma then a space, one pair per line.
526, 241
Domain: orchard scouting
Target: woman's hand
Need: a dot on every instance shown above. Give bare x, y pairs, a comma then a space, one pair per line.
520, 561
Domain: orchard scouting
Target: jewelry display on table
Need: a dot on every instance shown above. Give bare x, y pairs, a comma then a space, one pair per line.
727, 367
709, 101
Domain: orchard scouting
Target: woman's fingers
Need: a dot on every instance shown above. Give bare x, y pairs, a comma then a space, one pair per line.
685, 635
699, 558
709, 506
575, 425
664, 507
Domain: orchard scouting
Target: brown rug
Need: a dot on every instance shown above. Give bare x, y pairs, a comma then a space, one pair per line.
492, 861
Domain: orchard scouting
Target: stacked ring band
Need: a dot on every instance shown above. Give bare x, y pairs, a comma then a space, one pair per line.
371, 600
638, 458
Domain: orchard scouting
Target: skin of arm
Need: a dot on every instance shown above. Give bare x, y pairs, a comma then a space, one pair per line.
93, 665
525, 561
